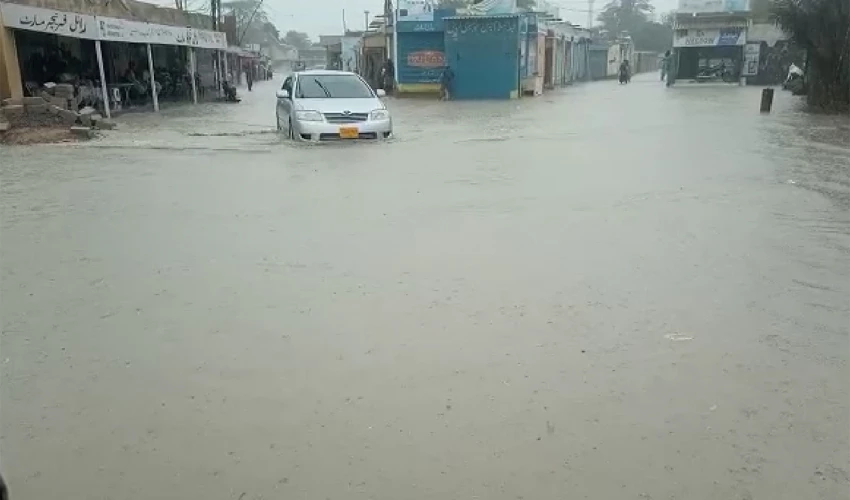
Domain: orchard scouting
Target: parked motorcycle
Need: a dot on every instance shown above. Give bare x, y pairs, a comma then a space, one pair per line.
714, 73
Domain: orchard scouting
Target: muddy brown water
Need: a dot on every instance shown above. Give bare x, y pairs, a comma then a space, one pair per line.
607, 292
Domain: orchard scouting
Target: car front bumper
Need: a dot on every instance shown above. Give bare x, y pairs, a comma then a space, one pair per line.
324, 131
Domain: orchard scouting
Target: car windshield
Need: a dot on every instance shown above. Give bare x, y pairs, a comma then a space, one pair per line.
333, 86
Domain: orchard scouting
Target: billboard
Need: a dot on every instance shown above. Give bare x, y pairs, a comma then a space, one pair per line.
722, 37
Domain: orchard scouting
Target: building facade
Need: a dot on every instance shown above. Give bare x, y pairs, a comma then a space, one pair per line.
710, 34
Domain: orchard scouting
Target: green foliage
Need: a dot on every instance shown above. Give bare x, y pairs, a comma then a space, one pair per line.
297, 39
633, 16
271, 30
251, 21
822, 28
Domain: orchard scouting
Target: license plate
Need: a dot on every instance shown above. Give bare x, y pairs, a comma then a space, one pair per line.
349, 133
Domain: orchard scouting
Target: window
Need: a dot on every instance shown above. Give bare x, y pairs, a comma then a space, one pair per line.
332, 86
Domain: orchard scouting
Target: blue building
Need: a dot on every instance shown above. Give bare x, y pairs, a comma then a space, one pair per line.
421, 50
484, 54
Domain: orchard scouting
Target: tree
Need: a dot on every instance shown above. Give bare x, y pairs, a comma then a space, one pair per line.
251, 20
822, 28
526, 4
297, 39
651, 36
632, 16
625, 15
271, 30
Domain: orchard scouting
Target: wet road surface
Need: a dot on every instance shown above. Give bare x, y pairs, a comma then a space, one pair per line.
608, 292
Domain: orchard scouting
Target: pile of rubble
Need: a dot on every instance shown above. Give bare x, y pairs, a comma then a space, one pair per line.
50, 111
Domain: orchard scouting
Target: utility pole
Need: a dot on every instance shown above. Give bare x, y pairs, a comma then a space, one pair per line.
589, 14
366, 13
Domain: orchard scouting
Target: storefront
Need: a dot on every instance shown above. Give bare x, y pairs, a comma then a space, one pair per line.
707, 50
122, 59
420, 48
41, 45
709, 37
178, 62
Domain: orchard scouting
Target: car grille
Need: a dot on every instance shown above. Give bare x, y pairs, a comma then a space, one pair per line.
346, 118
335, 137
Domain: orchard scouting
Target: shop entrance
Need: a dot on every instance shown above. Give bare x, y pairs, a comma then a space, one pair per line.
696, 62
47, 58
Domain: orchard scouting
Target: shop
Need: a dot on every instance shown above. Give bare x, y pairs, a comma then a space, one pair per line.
110, 63
709, 40
485, 55
143, 62
41, 45
709, 50
420, 47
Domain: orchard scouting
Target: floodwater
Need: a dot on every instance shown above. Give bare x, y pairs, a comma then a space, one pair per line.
607, 292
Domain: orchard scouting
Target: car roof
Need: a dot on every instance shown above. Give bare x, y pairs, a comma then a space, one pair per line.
317, 72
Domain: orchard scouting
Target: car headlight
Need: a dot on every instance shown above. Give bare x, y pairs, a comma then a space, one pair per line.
309, 116
380, 114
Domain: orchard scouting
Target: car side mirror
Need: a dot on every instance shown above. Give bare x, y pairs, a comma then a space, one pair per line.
282, 94
381, 92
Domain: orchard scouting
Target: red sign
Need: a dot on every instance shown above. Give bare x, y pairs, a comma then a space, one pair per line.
426, 59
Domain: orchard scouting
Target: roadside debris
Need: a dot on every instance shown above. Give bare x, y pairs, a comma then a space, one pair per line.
47, 119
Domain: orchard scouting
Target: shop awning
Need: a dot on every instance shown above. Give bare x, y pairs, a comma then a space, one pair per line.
108, 29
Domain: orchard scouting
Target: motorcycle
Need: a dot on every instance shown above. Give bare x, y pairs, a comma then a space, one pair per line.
719, 72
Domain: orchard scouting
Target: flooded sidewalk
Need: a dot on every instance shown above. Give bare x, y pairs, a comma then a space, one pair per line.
610, 291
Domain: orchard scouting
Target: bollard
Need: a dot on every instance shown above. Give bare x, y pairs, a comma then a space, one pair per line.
766, 100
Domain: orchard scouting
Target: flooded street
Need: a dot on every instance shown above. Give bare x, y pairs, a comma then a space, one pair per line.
607, 292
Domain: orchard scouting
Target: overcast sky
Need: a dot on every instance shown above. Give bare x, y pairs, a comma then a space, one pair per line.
324, 17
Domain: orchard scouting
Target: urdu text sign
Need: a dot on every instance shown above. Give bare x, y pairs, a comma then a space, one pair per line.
49, 21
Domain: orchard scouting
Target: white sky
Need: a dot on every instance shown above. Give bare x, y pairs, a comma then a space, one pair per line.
324, 17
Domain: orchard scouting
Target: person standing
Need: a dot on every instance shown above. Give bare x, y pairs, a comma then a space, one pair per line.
672, 69
249, 75
625, 73
665, 65
446, 79
389, 76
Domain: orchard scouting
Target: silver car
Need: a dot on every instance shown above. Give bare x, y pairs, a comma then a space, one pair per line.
327, 105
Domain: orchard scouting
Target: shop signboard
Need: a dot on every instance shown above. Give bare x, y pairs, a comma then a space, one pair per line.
121, 30
712, 6
752, 52
416, 10
722, 37
426, 59
50, 21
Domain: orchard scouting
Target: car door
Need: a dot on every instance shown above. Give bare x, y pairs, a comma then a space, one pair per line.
284, 106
